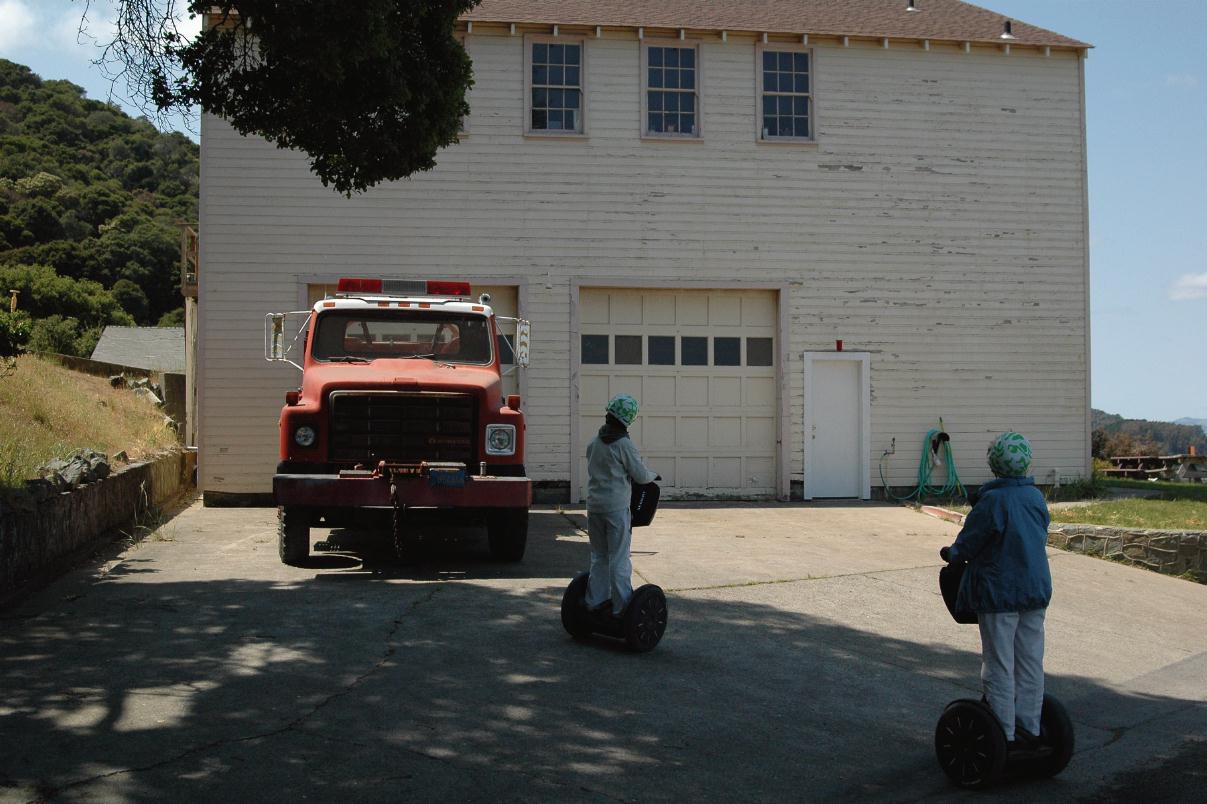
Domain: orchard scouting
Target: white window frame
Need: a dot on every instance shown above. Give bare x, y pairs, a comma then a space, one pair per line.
534, 39
684, 44
784, 47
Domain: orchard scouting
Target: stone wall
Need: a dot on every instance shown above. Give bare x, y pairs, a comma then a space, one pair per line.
39, 540
1171, 552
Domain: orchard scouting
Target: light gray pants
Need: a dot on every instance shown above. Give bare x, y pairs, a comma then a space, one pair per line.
1012, 667
611, 568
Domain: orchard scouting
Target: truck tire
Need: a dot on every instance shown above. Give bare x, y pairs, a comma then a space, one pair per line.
507, 530
293, 535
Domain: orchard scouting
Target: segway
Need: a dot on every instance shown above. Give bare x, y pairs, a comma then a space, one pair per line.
643, 620
971, 744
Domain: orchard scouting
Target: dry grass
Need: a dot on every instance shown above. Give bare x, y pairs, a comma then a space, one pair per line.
47, 411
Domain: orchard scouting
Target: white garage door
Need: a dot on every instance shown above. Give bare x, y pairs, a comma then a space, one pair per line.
702, 365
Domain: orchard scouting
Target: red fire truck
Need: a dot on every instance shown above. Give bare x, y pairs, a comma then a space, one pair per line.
401, 413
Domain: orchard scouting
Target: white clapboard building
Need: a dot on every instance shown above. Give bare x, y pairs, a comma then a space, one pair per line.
798, 231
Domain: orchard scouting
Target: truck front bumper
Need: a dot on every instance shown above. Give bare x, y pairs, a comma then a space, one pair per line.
362, 490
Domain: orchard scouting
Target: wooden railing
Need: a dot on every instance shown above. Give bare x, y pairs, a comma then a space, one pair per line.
188, 259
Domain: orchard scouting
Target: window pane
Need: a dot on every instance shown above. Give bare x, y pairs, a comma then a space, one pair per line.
655, 102
555, 99
768, 60
688, 103
628, 350
727, 351
539, 119
506, 356
556, 76
655, 81
540, 74
595, 349
670, 102
540, 53
655, 122
759, 352
687, 123
672, 79
695, 351
655, 56
687, 57
786, 62
768, 104
555, 119
571, 76
770, 83
557, 54
768, 126
687, 79
662, 350
802, 83
800, 106
572, 96
801, 62
670, 56
568, 117
785, 105
573, 52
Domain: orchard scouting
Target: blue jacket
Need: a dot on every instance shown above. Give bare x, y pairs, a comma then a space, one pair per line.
1004, 541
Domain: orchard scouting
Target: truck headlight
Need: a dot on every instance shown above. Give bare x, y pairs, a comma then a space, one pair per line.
304, 436
500, 439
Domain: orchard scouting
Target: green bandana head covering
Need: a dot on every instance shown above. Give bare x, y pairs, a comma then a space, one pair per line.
1010, 455
623, 407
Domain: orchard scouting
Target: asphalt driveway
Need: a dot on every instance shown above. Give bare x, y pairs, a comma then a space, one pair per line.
808, 656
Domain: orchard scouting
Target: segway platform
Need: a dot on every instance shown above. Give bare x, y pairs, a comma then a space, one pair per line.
972, 749
641, 625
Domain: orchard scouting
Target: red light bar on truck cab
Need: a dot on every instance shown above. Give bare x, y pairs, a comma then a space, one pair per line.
402, 287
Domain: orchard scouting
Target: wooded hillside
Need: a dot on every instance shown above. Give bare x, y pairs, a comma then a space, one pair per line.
1115, 435
89, 198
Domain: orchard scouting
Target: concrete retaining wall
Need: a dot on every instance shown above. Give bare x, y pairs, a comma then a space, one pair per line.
35, 544
1172, 552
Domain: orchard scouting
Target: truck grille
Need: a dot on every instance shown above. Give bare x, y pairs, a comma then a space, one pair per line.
398, 426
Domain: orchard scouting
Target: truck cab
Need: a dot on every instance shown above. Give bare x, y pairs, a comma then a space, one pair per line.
401, 412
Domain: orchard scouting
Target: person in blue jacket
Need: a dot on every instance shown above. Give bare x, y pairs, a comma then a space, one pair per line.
613, 465
1009, 585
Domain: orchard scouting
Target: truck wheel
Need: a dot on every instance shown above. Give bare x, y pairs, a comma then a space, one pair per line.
293, 535
507, 530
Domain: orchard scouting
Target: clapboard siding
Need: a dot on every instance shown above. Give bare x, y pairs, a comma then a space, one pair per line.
939, 224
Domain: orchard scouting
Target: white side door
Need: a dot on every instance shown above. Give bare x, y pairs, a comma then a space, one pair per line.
837, 409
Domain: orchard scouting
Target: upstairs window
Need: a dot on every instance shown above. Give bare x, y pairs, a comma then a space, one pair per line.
555, 87
672, 91
786, 102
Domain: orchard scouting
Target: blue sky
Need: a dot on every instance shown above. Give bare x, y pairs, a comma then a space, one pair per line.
1146, 91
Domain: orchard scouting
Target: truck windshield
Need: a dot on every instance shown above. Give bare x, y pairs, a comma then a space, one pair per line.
355, 335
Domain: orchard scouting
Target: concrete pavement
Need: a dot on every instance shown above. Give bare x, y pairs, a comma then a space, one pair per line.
808, 656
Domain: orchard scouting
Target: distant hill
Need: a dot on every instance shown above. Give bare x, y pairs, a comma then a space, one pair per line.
1193, 422
1115, 435
89, 199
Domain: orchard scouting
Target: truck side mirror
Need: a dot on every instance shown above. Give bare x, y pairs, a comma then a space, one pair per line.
523, 337
274, 336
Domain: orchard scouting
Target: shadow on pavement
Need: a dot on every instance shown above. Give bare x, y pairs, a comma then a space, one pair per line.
245, 689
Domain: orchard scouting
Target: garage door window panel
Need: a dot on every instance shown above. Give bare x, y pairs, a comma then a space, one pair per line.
662, 350
628, 350
727, 351
760, 352
595, 350
695, 351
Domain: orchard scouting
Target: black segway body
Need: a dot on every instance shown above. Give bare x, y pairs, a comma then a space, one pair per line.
641, 625
644, 504
972, 750
950, 578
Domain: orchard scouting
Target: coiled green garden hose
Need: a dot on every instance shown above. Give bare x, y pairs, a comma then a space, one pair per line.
926, 465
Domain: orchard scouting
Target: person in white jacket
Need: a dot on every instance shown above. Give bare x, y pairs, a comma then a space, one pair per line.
613, 466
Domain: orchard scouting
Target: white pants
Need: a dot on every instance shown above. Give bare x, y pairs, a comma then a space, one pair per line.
1012, 667
611, 568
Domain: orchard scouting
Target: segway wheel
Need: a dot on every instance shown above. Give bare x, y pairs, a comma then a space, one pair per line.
574, 614
1056, 731
645, 618
970, 744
